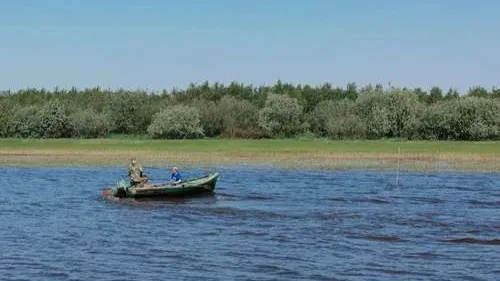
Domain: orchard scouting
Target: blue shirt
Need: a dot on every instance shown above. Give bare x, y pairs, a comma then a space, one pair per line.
176, 176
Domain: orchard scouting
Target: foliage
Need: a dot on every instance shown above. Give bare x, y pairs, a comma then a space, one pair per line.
337, 120
7, 110
211, 117
243, 111
281, 116
468, 118
239, 118
89, 124
176, 122
25, 123
53, 120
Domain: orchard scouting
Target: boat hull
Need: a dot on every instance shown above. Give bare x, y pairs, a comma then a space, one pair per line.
189, 188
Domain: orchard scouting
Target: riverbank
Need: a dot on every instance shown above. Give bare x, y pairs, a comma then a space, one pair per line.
290, 153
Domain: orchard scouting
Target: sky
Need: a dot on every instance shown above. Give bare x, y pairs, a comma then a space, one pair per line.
155, 45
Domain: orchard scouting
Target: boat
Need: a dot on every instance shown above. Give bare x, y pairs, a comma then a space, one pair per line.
190, 187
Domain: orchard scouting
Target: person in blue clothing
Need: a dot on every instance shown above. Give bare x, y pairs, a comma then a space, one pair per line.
176, 177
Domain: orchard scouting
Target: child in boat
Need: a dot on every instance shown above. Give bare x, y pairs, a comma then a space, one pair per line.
176, 177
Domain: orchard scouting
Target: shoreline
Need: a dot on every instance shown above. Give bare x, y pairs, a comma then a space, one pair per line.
284, 153
303, 160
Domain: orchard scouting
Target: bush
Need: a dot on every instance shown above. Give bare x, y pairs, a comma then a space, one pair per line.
89, 124
239, 118
392, 114
130, 113
239, 111
373, 110
53, 120
176, 122
7, 111
468, 118
210, 117
281, 116
25, 123
403, 110
337, 119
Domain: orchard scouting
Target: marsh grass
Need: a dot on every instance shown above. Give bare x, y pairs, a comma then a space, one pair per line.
289, 153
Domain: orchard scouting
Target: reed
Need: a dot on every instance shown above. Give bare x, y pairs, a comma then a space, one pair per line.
290, 153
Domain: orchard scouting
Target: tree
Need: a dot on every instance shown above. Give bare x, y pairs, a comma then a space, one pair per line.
239, 117
53, 120
337, 119
89, 124
176, 122
451, 94
478, 91
281, 116
435, 95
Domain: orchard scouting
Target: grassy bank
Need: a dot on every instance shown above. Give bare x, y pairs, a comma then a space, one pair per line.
324, 154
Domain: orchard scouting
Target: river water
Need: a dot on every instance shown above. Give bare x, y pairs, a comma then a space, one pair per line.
262, 224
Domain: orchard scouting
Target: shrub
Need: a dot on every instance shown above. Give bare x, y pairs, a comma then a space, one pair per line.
25, 123
281, 116
337, 119
130, 113
7, 111
239, 118
403, 109
210, 117
389, 114
54, 120
176, 122
372, 108
89, 124
468, 118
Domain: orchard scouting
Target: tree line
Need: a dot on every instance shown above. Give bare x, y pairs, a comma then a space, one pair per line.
235, 110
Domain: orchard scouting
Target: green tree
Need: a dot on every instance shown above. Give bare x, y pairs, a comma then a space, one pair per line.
435, 95
281, 116
7, 111
89, 124
337, 119
451, 94
176, 122
211, 117
239, 118
372, 108
53, 120
25, 123
478, 91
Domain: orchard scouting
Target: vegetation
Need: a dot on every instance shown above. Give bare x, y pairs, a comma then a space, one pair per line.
294, 153
243, 111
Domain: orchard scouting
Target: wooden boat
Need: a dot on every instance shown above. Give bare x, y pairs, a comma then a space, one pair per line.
197, 186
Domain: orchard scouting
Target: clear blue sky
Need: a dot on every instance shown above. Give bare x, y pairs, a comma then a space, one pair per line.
164, 44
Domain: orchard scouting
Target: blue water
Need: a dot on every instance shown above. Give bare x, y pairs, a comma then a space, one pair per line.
261, 224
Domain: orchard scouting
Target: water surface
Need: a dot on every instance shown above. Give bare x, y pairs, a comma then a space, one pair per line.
262, 224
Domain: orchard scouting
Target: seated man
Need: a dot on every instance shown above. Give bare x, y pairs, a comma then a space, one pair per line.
176, 177
135, 173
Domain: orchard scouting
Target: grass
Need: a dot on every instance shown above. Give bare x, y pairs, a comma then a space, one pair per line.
294, 153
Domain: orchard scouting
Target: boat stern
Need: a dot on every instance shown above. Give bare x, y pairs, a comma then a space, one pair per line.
120, 190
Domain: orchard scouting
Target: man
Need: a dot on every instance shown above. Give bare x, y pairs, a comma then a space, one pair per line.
135, 173
176, 177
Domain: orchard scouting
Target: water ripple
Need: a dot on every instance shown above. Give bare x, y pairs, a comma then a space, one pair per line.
318, 225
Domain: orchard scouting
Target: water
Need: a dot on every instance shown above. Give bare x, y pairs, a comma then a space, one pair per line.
261, 225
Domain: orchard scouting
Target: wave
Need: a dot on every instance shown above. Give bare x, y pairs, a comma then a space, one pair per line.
469, 240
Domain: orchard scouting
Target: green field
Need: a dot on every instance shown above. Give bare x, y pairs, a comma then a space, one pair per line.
297, 153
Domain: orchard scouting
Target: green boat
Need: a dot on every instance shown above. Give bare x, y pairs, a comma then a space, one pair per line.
191, 187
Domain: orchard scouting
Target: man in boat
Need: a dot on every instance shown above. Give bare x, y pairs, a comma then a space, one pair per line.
176, 177
135, 173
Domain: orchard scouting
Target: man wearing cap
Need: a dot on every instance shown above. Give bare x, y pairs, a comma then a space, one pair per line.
135, 173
